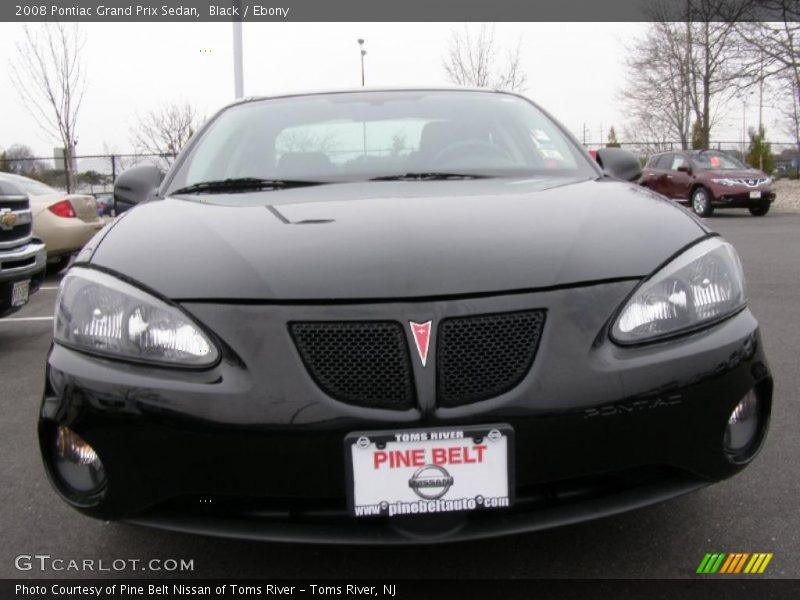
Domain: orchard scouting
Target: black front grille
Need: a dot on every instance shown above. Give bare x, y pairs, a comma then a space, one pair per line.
483, 356
365, 363
18, 203
20, 232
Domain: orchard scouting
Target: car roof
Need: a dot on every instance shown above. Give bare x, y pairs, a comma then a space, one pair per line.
375, 89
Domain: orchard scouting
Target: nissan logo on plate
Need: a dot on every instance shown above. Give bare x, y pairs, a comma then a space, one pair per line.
430, 482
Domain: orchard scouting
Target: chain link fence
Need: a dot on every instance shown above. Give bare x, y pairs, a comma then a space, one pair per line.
94, 173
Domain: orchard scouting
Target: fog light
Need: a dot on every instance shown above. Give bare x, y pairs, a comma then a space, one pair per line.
743, 424
77, 462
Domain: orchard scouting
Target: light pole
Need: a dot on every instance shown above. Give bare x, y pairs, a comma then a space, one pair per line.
363, 54
744, 130
364, 124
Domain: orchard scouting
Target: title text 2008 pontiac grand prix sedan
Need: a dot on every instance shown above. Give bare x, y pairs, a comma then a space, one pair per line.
393, 316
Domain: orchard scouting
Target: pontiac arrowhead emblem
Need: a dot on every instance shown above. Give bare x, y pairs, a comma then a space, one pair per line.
422, 338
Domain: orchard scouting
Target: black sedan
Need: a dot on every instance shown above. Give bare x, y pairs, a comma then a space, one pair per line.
396, 316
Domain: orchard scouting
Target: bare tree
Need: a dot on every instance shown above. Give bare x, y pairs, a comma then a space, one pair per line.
306, 140
791, 111
472, 60
165, 130
772, 50
655, 95
716, 68
49, 76
20, 159
687, 67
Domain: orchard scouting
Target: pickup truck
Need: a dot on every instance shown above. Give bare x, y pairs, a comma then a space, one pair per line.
22, 257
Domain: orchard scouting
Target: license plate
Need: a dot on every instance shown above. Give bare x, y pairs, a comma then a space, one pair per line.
429, 471
755, 195
19, 293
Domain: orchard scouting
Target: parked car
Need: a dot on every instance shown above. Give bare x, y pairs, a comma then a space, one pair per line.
428, 321
22, 257
65, 222
708, 179
105, 204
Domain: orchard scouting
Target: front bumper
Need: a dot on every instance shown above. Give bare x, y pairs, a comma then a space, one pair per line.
738, 198
252, 448
20, 264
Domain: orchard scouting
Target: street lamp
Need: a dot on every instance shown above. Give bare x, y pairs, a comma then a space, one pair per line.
238, 69
363, 54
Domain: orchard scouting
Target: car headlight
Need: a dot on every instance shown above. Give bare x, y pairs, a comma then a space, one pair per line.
99, 313
725, 182
767, 181
702, 285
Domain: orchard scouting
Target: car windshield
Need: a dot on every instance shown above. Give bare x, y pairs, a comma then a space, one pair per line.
30, 186
717, 161
360, 136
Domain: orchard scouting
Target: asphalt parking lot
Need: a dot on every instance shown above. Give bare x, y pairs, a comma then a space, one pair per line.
756, 511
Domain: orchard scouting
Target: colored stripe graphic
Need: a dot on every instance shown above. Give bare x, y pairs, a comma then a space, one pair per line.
711, 563
764, 564
728, 565
734, 563
722, 563
703, 564
741, 562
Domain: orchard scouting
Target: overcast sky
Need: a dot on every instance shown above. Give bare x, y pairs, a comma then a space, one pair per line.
574, 70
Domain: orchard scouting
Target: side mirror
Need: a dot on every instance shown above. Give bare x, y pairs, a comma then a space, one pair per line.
619, 163
685, 169
135, 185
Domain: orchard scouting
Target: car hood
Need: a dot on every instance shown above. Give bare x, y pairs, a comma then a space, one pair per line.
391, 240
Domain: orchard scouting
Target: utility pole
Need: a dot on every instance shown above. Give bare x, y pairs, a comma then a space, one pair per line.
760, 106
584, 134
744, 130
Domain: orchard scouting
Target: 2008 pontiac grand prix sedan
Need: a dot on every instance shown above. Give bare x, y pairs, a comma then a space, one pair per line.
388, 316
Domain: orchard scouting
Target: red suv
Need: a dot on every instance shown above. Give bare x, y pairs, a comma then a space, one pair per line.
708, 179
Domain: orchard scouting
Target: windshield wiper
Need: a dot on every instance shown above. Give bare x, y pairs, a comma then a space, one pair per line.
242, 184
428, 176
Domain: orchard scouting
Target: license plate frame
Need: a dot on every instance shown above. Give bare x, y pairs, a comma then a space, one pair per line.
20, 293
404, 494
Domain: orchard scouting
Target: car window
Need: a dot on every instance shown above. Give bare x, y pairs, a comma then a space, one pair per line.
34, 188
717, 161
664, 162
678, 160
359, 136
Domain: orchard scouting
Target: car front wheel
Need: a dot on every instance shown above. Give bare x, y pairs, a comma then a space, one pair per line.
759, 210
701, 202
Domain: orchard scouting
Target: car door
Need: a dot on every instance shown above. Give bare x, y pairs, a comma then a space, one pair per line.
657, 180
679, 178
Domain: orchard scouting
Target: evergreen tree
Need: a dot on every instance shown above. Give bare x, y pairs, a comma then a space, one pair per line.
698, 139
759, 155
612, 139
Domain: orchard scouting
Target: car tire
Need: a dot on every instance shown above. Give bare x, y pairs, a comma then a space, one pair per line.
759, 210
701, 202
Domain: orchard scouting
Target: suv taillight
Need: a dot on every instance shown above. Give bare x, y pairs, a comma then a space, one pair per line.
63, 209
